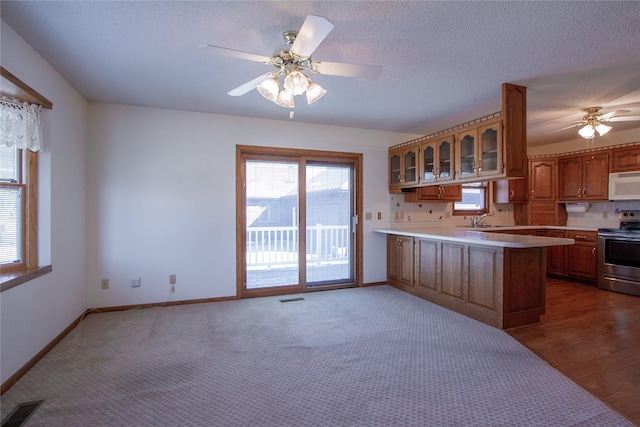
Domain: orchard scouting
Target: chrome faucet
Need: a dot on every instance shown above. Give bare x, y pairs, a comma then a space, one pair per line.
476, 220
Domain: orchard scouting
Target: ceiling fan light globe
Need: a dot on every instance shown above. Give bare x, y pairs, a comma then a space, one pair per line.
296, 82
587, 132
314, 92
269, 89
285, 99
603, 129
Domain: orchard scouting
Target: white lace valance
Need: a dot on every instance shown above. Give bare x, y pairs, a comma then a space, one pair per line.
20, 125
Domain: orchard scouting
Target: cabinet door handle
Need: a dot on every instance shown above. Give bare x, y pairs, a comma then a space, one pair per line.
511, 193
593, 251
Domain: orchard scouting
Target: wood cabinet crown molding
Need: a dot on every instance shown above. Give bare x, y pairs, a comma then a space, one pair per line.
489, 148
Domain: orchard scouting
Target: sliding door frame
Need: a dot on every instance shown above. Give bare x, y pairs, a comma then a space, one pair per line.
247, 152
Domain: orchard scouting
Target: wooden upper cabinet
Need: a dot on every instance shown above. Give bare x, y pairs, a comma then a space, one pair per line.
403, 168
542, 180
511, 191
625, 159
570, 178
492, 147
436, 163
584, 177
479, 151
433, 193
466, 154
514, 138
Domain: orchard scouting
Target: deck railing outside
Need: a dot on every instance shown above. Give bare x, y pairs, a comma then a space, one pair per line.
269, 247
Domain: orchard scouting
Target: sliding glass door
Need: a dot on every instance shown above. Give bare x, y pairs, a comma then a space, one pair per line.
272, 231
330, 231
299, 223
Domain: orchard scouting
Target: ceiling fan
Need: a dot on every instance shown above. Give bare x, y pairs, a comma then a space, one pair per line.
291, 63
594, 121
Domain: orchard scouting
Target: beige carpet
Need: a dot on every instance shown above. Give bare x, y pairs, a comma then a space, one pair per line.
355, 357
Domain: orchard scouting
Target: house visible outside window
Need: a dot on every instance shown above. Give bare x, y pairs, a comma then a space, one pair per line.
474, 200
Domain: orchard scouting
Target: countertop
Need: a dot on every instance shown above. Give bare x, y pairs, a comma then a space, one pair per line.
484, 237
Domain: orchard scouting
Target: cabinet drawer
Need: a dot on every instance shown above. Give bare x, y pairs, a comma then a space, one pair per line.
582, 236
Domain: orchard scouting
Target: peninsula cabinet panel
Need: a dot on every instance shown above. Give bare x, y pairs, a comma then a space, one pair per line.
625, 159
502, 287
400, 258
485, 265
427, 265
453, 269
524, 286
556, 255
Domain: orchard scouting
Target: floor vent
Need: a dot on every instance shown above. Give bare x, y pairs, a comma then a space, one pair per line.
21, 414
292, 299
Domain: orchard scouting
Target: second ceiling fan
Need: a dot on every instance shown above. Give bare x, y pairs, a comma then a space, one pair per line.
291, 63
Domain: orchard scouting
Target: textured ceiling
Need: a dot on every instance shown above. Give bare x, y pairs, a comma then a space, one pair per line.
443, 62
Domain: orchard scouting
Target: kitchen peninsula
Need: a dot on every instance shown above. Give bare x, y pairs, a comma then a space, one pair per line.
498, 279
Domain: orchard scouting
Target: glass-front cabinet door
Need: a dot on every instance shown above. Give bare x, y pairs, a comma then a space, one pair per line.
395, 170
490, 162
467, 161
403, 168
411, 166
445, 159
429, 162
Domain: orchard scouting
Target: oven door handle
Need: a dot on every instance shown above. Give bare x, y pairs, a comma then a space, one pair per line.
617, 236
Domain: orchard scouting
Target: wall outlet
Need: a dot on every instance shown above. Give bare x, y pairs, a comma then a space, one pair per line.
172, 287
135, 283
172, 279
104, 284
379, 216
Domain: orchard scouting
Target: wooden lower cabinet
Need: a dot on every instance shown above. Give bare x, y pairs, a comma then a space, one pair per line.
556, 255
400, 258
427, 266
582, 257
482, 282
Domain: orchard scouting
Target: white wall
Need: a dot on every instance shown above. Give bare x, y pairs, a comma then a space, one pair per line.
161, 197
34, 313
580, 144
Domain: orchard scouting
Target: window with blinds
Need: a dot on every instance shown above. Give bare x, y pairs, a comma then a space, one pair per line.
12, 189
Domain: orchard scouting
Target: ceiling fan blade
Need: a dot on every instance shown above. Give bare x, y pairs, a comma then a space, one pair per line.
348, 70
568, 127
236, 53
311, 34
608, 116
623, 119
249, 86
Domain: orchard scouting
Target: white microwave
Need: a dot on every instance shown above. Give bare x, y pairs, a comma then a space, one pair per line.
624, 186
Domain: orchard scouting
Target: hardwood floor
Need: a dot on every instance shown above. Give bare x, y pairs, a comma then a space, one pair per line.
593, 337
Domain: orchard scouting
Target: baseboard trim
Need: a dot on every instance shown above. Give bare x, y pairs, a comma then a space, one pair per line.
365, 285
162, 304
35, 359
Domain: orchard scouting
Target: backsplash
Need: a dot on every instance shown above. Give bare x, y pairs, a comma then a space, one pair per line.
601, 215
405, 215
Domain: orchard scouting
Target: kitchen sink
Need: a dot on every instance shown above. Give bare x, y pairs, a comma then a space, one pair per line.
482, 226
